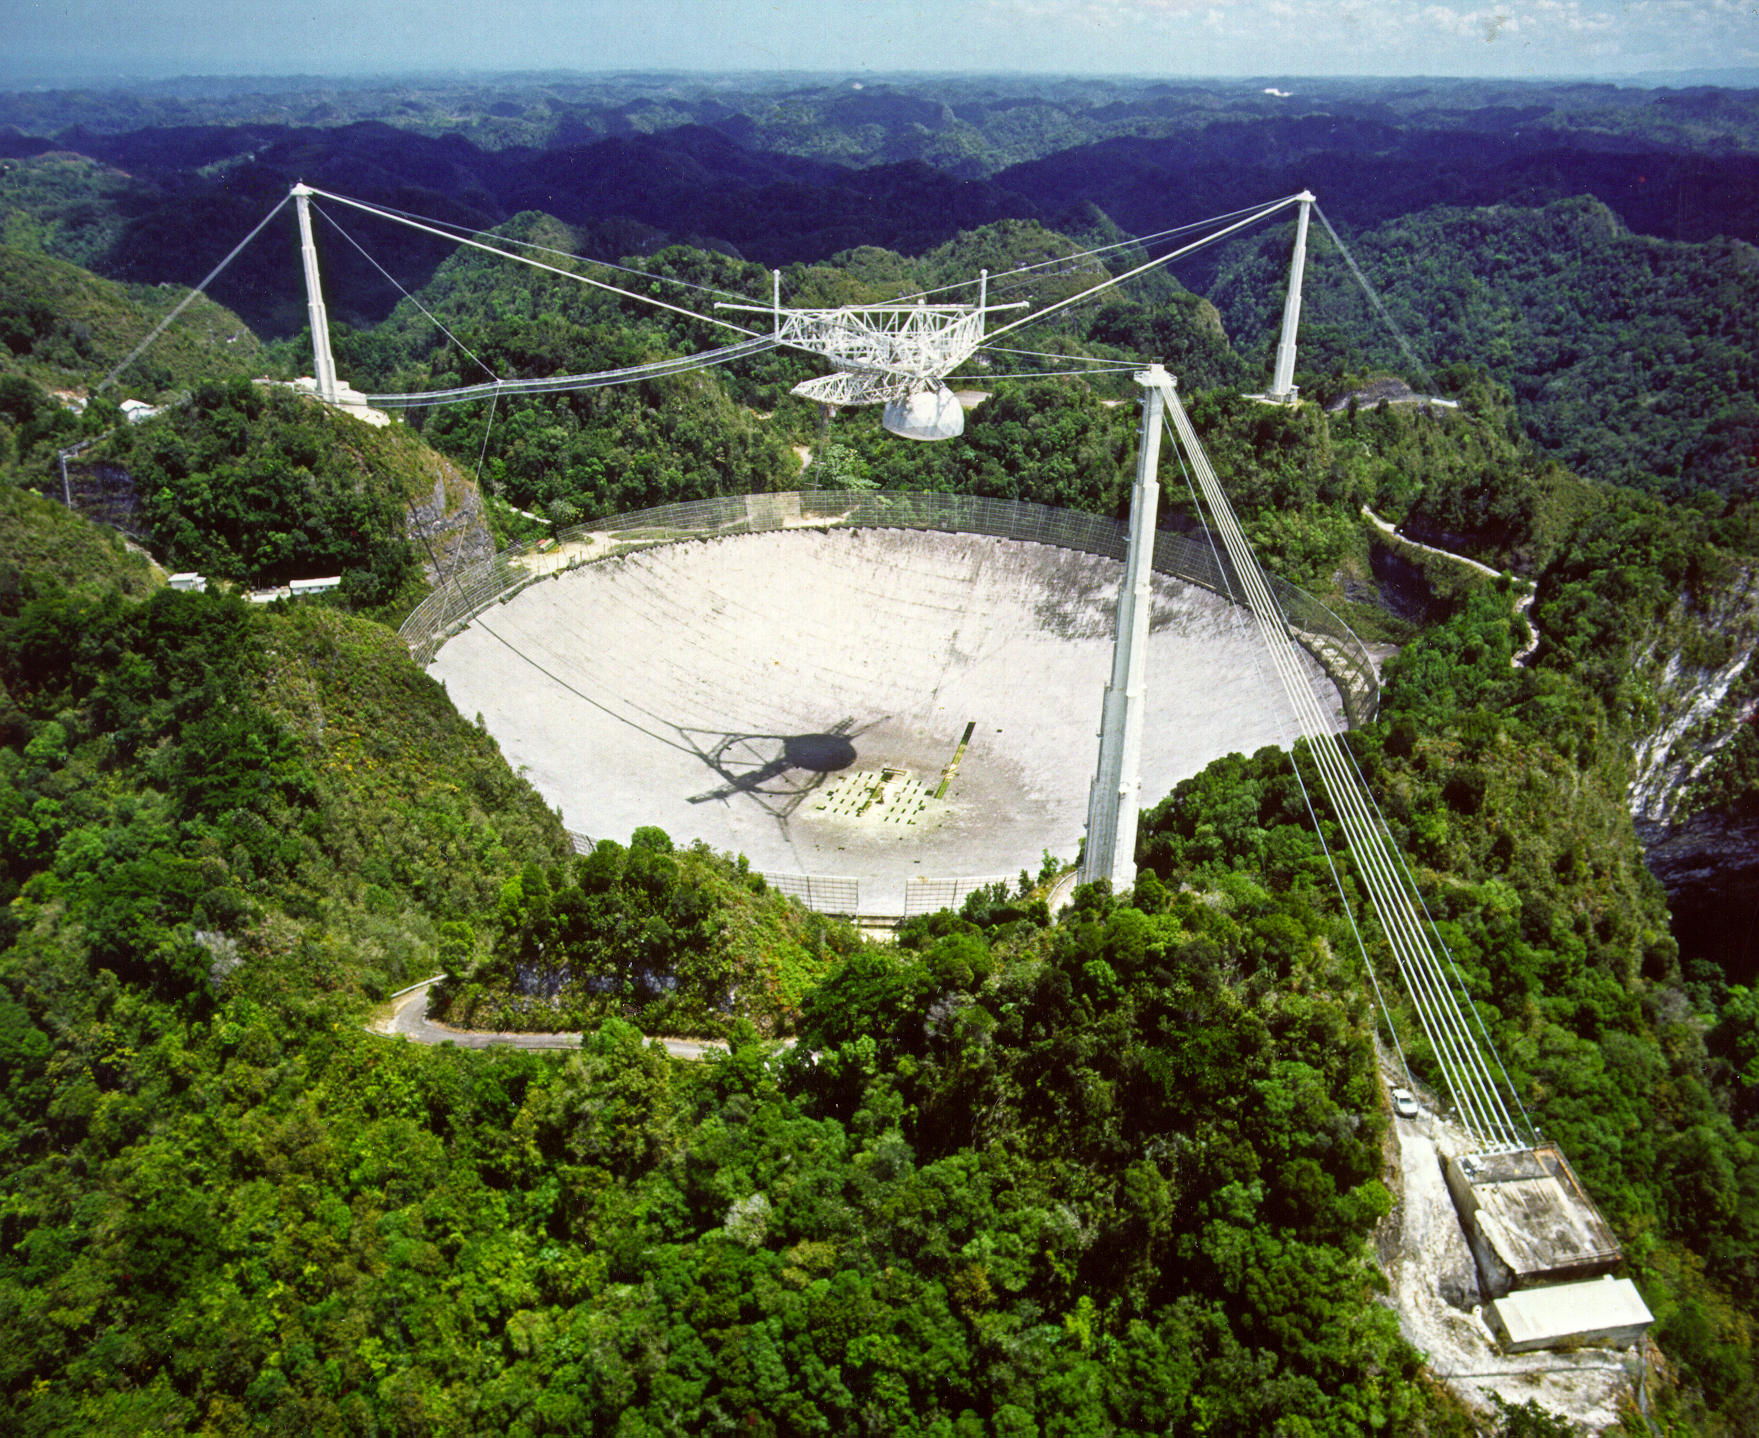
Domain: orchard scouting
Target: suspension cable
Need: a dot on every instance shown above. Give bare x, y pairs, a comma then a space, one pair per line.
1374, 299
1047, 354
1132, 243
392, 212
1411, 880
406, 295
1468, 1080
555, 384
482, 453
537, 264
1295, 764
1001, 375
189, 299
1111, 283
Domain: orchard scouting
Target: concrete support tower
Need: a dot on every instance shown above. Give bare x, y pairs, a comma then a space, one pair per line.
1114, 801
323, 365
1282, 389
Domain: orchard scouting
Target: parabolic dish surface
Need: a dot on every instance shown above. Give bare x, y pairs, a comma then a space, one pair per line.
801, 697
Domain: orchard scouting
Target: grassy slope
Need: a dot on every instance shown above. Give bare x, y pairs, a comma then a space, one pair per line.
421, 818
63, 204
93, 323
43, 543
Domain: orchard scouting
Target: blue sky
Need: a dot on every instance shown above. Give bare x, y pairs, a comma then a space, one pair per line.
93, 39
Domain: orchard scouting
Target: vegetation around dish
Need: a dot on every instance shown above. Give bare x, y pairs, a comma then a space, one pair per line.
680, 940
1120, 1170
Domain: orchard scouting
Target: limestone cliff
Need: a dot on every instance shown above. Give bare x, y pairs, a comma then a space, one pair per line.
447, 524
1698, 823
1702, 691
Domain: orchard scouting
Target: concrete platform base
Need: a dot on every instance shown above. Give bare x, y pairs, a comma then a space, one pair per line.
1528, 1219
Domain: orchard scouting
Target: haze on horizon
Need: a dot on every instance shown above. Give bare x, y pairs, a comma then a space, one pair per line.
103, 42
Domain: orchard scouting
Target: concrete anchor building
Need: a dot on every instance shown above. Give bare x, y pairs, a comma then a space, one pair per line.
1544, 1253
1528, 1220
1603, 1313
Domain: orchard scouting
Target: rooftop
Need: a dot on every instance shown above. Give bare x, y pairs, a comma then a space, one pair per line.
1603, 1311
1528, 1217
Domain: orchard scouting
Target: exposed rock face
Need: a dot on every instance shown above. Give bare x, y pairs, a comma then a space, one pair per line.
1709, 865
1706, 855
104, 492
1390, 388
448, 524
1698, 717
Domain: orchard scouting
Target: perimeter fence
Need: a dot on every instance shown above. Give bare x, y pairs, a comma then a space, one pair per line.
930, 896
840, 894
1191, 557
828, 893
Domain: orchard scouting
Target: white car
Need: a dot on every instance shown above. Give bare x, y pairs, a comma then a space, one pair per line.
1405, 1103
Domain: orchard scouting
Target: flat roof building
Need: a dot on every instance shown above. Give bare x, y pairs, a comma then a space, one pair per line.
1602, 1313
1528, 1220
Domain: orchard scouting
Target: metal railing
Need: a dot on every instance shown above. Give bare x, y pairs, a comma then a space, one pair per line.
1193, 558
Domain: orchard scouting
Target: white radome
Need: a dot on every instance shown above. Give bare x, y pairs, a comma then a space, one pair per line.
927, 414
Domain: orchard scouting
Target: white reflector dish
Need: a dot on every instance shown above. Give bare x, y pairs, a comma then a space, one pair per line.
927, 414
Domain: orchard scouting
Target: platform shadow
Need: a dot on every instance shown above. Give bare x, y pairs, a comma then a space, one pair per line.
776, 771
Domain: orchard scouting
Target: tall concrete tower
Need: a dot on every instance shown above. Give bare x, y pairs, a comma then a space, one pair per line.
323, 365
1113, 802
1282, 388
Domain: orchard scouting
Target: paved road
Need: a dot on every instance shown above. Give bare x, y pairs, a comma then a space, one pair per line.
1386, 528
1522, 604
409, 1019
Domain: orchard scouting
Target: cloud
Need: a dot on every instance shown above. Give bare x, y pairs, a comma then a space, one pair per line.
1475, 24
1110, 12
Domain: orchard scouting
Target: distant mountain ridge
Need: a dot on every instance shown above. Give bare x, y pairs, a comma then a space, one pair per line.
745, 183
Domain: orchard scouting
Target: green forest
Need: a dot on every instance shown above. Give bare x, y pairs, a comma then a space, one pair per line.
1111, 1173
1118, 1168
1630, 356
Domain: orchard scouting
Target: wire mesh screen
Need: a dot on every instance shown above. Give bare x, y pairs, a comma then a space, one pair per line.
930, 896
1193, 558
827, 893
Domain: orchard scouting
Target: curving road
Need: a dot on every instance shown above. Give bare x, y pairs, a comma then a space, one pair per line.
1523, 603
409, 1019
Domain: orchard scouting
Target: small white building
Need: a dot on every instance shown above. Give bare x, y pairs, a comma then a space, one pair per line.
302, 587
135, 410
189, 582
1602, 1313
